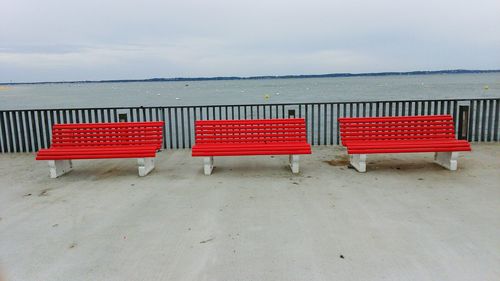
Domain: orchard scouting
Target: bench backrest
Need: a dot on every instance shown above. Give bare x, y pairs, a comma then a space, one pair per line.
108, 134
251, 131
397, 128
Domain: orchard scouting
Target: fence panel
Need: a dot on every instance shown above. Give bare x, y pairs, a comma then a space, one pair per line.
30, 130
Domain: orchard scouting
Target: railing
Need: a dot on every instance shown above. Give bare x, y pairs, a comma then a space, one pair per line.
29, 130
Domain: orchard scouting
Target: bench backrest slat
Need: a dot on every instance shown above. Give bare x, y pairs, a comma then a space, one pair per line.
397, 128
108, 134
251, 131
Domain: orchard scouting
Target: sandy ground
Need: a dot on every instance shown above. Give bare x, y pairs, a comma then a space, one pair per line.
405, 219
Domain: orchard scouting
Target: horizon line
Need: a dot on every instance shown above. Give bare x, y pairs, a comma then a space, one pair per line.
263, 77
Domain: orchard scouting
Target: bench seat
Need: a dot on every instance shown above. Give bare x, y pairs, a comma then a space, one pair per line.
250, 137
96, 153
413, 146
251, 149
401, 134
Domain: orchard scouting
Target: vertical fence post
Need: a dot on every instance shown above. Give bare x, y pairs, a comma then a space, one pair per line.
463, 122
496, 126
3, 134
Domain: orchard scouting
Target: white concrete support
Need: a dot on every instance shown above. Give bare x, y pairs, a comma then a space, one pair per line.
208, 165
145, 165
294, 163
447, 160
58, 168
358, 161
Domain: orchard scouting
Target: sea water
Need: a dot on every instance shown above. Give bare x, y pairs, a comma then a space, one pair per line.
394, 87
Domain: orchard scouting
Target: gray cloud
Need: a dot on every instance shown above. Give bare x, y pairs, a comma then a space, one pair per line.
76, 40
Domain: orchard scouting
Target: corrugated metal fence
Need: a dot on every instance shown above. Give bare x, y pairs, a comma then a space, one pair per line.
29, 130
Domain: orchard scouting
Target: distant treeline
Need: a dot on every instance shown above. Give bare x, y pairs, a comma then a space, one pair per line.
186, 79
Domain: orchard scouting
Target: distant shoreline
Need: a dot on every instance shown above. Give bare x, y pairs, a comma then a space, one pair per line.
331, 75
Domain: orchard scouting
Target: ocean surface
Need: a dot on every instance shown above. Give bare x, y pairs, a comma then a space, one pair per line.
439, 86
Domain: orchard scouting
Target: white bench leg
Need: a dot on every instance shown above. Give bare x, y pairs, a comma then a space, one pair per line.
447, 160
145, 165
208, 165
58, 168
358, 161
294, 163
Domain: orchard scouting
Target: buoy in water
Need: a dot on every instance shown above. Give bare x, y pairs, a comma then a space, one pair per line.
266, 97
486, 87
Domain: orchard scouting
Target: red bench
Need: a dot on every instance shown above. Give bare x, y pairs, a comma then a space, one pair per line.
407, 134
251, 137
103, 140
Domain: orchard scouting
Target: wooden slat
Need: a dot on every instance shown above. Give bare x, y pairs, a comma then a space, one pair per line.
406, 150
249, 153
252, 121
99, 139
416, 131
109, 143
396, 119
258, 145
414, 145
397, 137
376, 125
414, 142
110, 125
95, 156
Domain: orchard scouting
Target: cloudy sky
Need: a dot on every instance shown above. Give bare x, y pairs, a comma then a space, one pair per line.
54, 40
